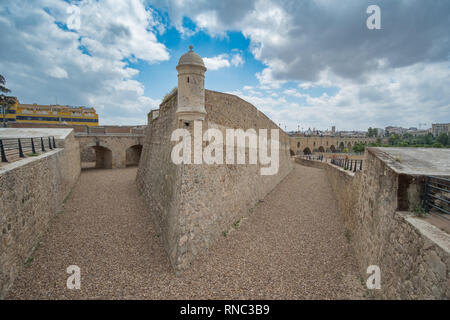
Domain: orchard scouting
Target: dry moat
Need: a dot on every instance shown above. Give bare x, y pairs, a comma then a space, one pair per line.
293, 246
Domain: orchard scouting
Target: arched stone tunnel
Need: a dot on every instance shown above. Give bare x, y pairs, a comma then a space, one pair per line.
110, 151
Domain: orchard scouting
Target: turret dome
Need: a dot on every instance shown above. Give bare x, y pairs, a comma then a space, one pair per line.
191, 58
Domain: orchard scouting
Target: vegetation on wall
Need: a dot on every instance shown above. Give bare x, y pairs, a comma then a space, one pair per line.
169, 94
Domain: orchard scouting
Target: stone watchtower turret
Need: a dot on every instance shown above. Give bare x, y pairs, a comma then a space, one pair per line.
191, 87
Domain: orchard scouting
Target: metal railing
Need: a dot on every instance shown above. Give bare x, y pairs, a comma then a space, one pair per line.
348, 164
437, 194
13, 148
311, 157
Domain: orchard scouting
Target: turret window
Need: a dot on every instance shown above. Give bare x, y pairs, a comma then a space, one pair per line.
188, 79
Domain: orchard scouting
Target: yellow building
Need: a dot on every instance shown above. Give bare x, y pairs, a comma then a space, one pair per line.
50, 114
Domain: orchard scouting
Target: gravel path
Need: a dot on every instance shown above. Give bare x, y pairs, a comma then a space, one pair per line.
292, 246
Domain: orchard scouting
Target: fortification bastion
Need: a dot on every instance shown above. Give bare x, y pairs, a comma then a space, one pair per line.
195, 204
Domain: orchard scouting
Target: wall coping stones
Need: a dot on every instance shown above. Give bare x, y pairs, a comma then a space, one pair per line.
431, 232
415, 161
20, 163
10, 133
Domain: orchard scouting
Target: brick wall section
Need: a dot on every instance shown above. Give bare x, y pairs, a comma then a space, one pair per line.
413, 266
31, 193
195, 204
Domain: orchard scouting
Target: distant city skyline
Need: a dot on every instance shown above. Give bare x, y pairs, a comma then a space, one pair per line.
120, 57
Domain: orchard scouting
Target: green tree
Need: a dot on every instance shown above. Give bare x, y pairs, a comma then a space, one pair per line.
428, 139
2, 85
5, 101
443, 139
359, 147
372, 132
394, 139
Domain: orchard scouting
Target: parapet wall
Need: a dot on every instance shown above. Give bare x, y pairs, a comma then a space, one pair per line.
32, 191
194, 204
413, 255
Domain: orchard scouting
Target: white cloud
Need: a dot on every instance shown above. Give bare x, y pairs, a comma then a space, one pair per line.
208, 20
42, 61
223, 61
216, 63
397, 97
293, 92
58, 72
267, 80
237, 60
384, 77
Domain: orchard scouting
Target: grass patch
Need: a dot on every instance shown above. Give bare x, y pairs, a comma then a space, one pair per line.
418, 209
32, 154
237, 223
235, 226
68, 195
30, 259
363, 282
28, 262
259, 202
348, 236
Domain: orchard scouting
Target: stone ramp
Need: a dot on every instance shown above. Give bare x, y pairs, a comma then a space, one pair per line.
292, 246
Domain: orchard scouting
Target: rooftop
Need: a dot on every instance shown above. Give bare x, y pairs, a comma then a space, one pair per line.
54, 106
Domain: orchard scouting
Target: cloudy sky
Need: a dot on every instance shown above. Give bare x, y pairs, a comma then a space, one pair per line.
307, 64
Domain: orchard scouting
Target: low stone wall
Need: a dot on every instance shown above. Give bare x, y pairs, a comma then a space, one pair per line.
413, 255
194, 204
309, 163
32, 191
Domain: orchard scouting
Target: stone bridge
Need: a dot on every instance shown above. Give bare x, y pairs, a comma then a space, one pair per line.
310, 144
110, 150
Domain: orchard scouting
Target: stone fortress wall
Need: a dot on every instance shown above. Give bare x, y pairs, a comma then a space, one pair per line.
32, 191
194, 204
158, 177
413, 255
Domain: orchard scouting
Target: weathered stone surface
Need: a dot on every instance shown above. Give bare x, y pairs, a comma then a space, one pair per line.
414, 262
193, 204
32, 191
